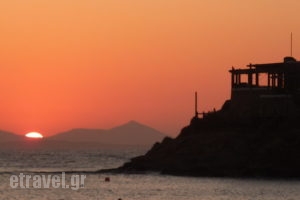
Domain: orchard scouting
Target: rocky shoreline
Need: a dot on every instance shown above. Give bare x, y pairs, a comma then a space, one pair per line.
215, 147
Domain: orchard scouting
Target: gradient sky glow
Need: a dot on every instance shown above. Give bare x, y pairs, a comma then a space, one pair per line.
99, 63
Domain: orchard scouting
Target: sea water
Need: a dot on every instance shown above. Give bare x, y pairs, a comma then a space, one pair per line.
151, 186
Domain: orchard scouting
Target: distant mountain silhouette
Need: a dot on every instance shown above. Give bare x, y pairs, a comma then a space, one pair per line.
131, 133
9, 137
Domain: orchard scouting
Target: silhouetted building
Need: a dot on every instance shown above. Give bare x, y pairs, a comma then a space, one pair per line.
266, 90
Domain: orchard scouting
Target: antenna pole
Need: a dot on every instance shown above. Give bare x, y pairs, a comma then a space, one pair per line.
291, 43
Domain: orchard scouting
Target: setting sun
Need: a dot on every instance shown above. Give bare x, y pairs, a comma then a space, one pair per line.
34, 135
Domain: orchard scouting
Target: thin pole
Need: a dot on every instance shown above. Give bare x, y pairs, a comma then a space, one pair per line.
291, 43
196, 104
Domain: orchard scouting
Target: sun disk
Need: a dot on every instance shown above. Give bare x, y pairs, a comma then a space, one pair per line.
35, 135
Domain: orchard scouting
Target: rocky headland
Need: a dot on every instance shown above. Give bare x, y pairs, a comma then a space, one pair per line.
216, 146
255, 133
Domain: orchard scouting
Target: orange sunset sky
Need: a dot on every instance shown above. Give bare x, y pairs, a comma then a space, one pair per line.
99, 63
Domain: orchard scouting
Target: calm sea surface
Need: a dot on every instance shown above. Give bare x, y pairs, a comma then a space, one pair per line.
150, 186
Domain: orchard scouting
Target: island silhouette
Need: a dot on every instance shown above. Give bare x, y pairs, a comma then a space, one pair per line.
131, 133
255, 133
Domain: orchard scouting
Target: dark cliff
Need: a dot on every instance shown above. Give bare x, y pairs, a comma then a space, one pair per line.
212, 147
256, 133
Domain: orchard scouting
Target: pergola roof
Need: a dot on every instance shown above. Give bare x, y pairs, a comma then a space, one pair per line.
268, 68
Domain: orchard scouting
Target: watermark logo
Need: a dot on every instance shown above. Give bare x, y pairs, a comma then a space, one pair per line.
24, 181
